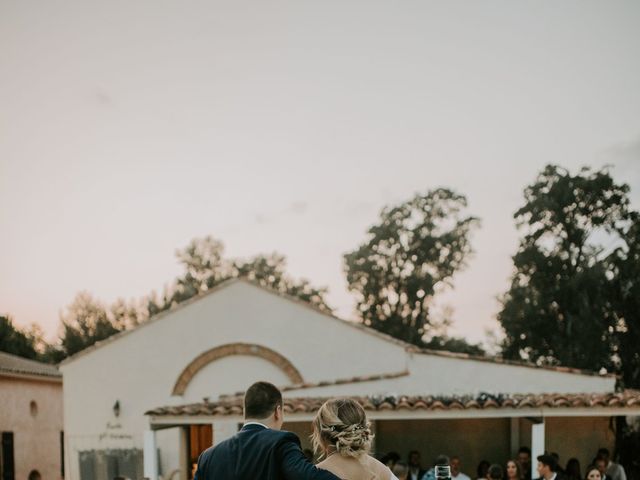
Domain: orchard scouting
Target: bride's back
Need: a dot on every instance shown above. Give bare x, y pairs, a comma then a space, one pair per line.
343, 434
363, 468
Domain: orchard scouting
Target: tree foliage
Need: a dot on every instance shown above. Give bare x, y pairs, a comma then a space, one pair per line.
16, 341
87, 320
83, 323
412, 252
574, 273
205, 267
626, 297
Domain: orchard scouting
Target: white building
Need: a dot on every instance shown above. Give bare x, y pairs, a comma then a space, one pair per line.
166, 389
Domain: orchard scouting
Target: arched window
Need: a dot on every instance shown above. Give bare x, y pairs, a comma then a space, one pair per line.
33, 409
35, 475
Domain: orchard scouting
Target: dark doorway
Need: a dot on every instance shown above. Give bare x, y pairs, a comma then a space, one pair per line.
7, 462
200, 438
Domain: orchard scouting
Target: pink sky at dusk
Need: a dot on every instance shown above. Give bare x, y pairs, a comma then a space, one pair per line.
128, 129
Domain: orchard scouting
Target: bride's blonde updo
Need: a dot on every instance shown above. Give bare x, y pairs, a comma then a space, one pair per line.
341, 425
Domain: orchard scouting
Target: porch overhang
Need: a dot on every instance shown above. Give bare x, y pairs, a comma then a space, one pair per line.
392, 407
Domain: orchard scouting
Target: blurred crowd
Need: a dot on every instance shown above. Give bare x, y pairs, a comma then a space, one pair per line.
547, 467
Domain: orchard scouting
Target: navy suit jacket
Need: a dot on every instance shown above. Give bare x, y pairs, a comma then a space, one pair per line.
256, 452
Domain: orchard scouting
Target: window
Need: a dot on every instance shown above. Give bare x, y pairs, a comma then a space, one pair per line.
61, 454
7, 459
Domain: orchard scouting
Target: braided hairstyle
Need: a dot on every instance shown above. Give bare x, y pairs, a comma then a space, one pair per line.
341, 426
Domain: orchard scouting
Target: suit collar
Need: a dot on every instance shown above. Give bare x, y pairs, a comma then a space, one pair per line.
254, 426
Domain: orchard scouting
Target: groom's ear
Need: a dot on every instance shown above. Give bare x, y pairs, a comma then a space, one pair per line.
277, 414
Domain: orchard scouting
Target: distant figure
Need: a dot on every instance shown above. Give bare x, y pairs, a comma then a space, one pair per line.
482, 470
342, 435
456, 474
524, 457
439, 460
601, 464
547, 467
401, 470
614, 471
260, 449
558, 469
514, 470
593, 473
416, 472
495, 472
390, 459
572, 471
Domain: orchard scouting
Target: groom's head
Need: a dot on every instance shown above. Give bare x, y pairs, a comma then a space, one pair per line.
263, 403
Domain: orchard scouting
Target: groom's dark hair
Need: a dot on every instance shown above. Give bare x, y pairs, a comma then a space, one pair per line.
261, 400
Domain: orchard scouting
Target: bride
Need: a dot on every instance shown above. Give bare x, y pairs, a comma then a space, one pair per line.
342, 434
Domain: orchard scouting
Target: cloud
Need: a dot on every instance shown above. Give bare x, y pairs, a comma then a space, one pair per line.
299, 207
103, 97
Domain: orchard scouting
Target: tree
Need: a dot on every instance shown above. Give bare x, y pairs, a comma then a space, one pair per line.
412, 252
205, 267
562, 305
270, 271
85, 322
16, 341
626, 288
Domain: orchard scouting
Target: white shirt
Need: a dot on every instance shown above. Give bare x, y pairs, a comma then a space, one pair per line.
460, 476
255, 423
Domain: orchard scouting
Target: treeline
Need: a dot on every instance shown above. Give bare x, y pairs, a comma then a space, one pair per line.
574, 297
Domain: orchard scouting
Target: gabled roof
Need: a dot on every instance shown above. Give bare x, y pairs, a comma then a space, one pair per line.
19, 366
365, 329
219, 287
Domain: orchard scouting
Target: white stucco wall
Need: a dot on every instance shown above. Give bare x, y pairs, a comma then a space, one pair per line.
36, 436
437, 375
232, 374
140, 368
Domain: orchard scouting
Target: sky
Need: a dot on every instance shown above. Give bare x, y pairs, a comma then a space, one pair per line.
129, 128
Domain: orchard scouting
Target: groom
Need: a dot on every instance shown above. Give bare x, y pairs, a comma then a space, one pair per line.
260, 450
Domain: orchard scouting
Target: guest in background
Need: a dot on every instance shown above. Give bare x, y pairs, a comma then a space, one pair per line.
524, 457
482, 470
514, 471
558, 469
401, 470
572, 471
431, 473
614, 471
601, 464
390, 459
416, 472
547, 467
456, 474
593, 473
495, 472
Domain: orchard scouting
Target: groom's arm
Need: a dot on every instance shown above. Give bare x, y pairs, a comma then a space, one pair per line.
295, 465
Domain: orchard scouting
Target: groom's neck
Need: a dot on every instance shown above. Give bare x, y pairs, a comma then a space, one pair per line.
267, 422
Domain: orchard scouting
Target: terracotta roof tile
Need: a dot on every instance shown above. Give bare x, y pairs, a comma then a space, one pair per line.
14, 365
233, 406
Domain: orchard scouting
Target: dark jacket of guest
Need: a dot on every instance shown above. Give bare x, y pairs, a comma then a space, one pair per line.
258, 452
